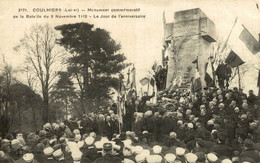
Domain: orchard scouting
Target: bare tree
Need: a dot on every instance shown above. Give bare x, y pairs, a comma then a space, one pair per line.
39, 48
6, 80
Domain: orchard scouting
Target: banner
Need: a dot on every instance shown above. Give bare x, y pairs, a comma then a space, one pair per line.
233, 60
144, 81
251, 43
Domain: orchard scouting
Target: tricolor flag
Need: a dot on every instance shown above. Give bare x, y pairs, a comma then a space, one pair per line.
210, 74
241, 40
196, 83
233, 60
248, 39
209, 69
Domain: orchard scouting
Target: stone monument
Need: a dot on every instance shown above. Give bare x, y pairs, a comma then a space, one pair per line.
186, 39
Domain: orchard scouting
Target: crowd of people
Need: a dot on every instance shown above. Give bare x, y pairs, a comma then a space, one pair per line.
215, 126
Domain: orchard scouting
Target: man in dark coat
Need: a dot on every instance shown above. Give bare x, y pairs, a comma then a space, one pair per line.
101, 125
149, 123
228, 99
90, 123
139, 124
251, 98
221, 149
230, 129
73, 124
157, 124
173, 141
109, 128
145, 98
108, 157
167, 125
91, 153
249, 151
204, 117
201, 131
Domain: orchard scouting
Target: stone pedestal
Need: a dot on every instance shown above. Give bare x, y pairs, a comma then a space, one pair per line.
189, 37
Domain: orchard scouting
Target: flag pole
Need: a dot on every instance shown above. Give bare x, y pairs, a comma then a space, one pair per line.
119, 104
118, 112
239, 79
225, 44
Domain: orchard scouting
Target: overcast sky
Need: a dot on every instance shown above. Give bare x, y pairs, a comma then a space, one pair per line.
141, 39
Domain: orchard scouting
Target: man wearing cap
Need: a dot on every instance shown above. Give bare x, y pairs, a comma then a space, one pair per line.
91, 152
48, 155
77, 157
157, 150
169, 158
108, 157
59, 156
140, 158
127, 153
191, 158
27, 158
211, 158
180, 152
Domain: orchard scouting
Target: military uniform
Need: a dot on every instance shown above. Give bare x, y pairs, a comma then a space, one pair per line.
92, 154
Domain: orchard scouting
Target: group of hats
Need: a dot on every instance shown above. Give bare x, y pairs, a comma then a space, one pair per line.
49, 151
142, 155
